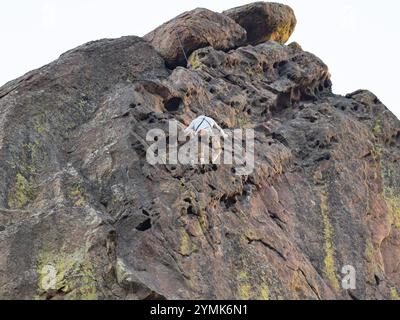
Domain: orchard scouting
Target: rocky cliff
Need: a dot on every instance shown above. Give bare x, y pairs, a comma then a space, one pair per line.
83, 215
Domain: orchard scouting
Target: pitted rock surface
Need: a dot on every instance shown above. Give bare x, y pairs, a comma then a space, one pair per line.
83, 215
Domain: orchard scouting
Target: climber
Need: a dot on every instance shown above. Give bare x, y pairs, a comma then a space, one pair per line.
203, 127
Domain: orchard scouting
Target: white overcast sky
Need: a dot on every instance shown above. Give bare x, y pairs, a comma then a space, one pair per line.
357, 39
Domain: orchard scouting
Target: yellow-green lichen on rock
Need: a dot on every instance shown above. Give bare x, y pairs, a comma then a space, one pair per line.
194, 61
369, 251
77, 194
282, 33
21, 193
372, 266
39, 128
394, 294
70, 275
247, 289
185, 247
393, 203
329, 260
391, 195
243, 122
244, 287
377, 129
30, 160
264, 292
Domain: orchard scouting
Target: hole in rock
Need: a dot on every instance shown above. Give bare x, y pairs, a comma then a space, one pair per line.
282, 63
229, 201
190, 211
145, 225
173, 104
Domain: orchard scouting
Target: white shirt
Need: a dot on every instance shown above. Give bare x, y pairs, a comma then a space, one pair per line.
203, 123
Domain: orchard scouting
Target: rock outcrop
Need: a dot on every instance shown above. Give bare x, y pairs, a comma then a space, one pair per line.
83, 215
265, 21
193, 30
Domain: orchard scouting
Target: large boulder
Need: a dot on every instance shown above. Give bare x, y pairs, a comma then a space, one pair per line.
85, 215
265, 21
193, 30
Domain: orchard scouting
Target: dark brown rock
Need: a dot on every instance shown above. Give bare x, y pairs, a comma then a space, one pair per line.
265, 21
78, 199
195, 29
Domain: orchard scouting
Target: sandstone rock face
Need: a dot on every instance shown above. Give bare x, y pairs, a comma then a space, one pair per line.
83, 215
193, 30
265, 21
